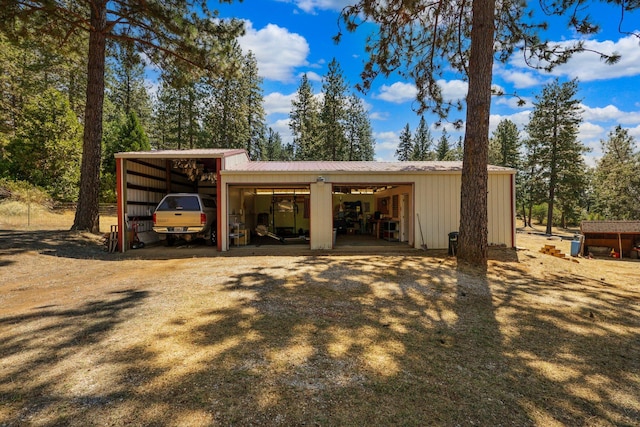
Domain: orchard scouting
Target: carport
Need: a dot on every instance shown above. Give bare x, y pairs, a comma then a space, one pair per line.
144, 177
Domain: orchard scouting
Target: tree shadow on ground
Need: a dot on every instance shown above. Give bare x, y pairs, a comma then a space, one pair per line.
35, 348
68, 244
341, 340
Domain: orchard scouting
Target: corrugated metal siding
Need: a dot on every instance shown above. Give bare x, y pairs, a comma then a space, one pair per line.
145, 186
438, 205
321, 230
500, 210
235, 160
436, 201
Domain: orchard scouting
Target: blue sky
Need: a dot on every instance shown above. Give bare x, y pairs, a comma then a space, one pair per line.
294, 37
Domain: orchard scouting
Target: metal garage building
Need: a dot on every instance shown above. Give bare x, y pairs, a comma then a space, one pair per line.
412, 203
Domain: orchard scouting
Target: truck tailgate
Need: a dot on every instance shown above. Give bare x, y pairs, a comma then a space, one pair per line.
180, 221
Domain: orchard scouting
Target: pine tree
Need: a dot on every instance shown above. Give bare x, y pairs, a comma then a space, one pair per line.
505, 150
617, 178
254, 107
423, 40
443, 149
553, 132
131, 137
333, 114
422, 142
28, 69
533, 186
125, 83
305, 122
227, 119
274, 149
405, 147
170, 33
358, 133
504, 145
179, 112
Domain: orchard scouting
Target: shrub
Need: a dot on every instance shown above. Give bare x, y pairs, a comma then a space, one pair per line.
21, 191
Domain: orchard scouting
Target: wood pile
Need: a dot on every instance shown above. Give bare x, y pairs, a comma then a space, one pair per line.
553, 251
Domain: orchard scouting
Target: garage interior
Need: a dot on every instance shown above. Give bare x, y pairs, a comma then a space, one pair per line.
363, 215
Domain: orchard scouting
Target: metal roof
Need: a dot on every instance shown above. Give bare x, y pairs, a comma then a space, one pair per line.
347, 166
183, 154
622, 227
246, 165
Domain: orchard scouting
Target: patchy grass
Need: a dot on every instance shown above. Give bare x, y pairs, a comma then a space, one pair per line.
20, 215
88, 338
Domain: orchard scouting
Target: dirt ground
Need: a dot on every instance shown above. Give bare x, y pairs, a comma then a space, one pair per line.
284, 336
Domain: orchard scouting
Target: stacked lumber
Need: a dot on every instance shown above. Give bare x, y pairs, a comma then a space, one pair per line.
553, 251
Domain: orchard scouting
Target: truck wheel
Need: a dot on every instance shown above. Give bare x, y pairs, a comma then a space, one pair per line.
213, 237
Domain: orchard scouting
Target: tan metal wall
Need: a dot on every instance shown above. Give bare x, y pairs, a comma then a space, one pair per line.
236, 159
437, 202
501, 210
435, 198
321, 226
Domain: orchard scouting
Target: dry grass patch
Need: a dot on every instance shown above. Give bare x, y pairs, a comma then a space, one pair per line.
88, 338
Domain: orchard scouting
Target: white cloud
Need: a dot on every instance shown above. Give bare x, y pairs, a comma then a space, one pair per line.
311, 76
386, 138
376, 115
589, 133
587, 66
152, 86
610, 113
277, 102
397, 93
282, 127
520, 118
513, 102
520, 79
277, 51
453, 90
386, 145
635, 132
310, 6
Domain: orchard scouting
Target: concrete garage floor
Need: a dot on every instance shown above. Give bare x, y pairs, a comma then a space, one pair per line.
365, 240
342, 241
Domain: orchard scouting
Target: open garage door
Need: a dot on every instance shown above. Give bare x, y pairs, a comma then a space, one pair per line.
372, 215
269, 215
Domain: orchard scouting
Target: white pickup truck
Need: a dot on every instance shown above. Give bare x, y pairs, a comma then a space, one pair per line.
186, 216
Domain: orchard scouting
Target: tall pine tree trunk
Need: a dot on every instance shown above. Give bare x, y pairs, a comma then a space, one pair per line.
87, 216
552, 191
553, 179
473, 236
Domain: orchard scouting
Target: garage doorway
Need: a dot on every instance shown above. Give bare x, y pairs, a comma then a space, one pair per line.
269, 215
372, 215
